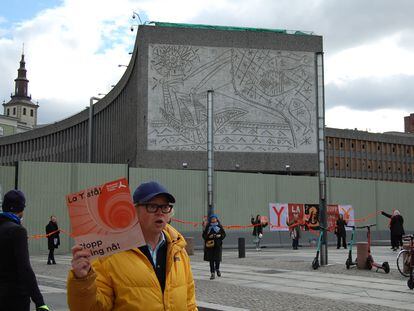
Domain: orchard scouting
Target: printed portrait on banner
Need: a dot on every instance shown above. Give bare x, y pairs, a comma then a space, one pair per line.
312, 216
295, 208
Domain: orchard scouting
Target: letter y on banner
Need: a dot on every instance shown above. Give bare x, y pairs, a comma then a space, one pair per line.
278, 216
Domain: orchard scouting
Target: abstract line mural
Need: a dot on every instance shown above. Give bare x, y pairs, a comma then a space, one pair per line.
264, 100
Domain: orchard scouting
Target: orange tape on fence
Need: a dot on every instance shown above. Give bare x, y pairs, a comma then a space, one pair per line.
196, 224
39, 236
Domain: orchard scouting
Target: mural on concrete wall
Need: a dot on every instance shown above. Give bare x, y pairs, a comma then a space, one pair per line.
264, 100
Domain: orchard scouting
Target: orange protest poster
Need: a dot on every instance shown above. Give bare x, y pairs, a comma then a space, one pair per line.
104, 220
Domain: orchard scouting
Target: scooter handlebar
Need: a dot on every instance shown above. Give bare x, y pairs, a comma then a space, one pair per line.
353, 227
366, 226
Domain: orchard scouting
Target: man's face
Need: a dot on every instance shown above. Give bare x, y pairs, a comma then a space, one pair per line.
153, 223
53, 219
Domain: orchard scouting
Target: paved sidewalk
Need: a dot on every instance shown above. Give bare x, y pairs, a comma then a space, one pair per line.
273, 279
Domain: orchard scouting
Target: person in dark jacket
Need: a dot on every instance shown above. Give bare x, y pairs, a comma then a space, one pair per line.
53, 239
213, 236
340, 232
257, 230
396, 227
17, 280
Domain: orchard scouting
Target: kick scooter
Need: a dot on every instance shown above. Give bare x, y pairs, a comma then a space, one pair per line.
315, 262
370, 260
349, 263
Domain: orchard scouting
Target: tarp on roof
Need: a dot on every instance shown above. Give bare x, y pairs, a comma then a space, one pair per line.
229, 28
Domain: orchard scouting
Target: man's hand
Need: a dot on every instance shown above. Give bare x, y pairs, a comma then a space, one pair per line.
211, 236
80, 261
218, 235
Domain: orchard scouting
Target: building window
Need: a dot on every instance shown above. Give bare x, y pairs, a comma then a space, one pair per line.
342, 144
24, 111
363, 146
31, 112
1, 131
14, 111
8, 111
352, 145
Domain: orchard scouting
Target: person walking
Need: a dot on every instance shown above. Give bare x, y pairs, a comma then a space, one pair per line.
257, 233
294, 229
18, 282
213, 236
396, 228
340, 231
53, 239
156, 276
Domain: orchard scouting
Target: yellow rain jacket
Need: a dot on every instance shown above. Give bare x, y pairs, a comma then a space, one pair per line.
127, 281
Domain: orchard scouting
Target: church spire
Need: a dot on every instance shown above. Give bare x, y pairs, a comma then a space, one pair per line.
21, 82
21, 106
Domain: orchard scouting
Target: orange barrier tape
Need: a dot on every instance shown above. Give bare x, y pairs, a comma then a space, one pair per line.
39, 236
196, 224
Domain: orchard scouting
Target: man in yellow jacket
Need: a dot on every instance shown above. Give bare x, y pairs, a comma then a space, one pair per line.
156, 276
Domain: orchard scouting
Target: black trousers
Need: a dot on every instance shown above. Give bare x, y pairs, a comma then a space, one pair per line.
295, 243
214, 265
15, 303
396, 240
340, 237
51, 257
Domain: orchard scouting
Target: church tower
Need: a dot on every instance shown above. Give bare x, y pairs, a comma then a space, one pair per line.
21, 106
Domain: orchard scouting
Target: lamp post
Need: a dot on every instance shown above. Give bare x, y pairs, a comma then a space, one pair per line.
90, 125
321, 154
210, 153
134, 15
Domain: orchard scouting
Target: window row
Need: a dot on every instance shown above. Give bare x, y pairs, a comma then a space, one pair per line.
24, 112
369, 146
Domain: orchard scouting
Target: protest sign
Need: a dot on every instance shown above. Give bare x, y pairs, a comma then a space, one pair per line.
104, 220
308, 214
278, 216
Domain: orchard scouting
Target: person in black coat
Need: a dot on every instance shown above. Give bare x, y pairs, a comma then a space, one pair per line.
257, 230
53, 239
340, 231
396, 227
18, 282
213, 236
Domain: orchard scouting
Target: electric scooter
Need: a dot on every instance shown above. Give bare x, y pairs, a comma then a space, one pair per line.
315, 262
370, 260
349, 263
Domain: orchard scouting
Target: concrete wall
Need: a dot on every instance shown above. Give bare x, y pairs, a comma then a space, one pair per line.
237, 197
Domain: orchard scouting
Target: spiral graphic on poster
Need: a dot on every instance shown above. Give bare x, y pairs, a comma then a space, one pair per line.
116, 212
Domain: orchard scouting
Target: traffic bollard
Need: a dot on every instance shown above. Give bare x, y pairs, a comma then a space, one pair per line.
242, 248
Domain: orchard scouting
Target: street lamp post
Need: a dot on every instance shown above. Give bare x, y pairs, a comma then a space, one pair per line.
90, 126
321, 156
210, 153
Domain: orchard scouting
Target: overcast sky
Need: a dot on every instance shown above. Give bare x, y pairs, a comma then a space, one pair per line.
73, 49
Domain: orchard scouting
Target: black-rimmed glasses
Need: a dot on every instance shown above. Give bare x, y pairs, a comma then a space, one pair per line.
153, 207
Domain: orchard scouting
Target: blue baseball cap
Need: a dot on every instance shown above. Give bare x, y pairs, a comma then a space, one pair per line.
145, 192
13, 201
